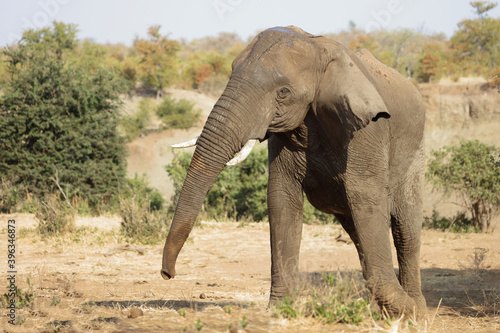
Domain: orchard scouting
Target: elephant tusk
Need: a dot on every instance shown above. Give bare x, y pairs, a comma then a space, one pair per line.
186, 144
244, 152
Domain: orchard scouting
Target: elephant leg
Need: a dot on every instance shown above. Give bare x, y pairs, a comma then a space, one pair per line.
406, 225
285, 205
369, 228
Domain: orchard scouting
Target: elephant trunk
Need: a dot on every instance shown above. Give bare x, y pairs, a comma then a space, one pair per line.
222, 137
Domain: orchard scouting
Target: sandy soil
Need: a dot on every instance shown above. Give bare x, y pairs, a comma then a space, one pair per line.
88, 281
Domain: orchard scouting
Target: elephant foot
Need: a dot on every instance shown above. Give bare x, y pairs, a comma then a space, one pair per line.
396, 303
421, 305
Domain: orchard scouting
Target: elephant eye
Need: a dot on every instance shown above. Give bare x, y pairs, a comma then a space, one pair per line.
283, 92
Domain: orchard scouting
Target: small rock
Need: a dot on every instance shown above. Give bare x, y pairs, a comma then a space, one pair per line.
202, 296
135, 312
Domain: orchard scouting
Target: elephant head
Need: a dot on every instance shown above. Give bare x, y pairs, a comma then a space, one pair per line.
283, 74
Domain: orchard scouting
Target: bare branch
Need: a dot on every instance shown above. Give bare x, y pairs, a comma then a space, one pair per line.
56, 180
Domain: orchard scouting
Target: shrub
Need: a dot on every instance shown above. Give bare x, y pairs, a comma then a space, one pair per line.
54, 216
177, 114
459, 224
143, 219
9, 196
239, 193
59, 117
467, 171
135, 125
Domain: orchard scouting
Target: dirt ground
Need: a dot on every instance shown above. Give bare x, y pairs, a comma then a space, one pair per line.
90, 280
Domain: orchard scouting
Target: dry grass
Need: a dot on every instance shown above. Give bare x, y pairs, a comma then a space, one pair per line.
79, 288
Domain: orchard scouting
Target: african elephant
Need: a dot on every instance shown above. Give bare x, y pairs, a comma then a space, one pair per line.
345, 130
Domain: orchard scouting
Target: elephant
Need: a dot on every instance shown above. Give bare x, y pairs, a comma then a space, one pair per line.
343, 129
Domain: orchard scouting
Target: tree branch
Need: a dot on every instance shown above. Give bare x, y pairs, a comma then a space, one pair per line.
56, 180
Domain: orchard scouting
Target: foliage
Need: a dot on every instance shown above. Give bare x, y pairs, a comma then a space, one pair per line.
10, 197
476, 43
23, 298
137, 124
158, 57
198, 325
177, 114
140, 188
59, 118
54, 40
240, 192
207, 71
430, 62
4, 76
468, 172
143, 219
458, 224
207, 62
332, 299
98, 56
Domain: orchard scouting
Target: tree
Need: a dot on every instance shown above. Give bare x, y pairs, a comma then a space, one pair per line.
467, 171
4, 77
58, 121
157, 64
482, 7
429, 62
477, 42
203, 68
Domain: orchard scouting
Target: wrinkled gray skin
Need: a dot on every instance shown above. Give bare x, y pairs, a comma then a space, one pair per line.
344, 129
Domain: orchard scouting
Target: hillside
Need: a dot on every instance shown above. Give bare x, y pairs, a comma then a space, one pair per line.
467, 109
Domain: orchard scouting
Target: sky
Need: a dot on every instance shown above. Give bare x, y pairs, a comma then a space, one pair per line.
106, 21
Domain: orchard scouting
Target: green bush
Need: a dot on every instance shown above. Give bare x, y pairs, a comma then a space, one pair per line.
143, 218
177, 114
458, 224
135, 125
23, 299
10, 197
240, 192
468, 172
59, 118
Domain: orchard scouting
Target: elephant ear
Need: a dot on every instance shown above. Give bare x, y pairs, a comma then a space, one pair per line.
346, 99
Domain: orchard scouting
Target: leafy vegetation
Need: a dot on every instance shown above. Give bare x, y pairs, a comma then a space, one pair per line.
460, 223
137, 124
58, 120
157, 58
467, 171
476, 44
177, 114
22, 298
141, 209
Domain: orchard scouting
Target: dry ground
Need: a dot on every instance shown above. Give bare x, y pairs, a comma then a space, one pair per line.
87, 282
